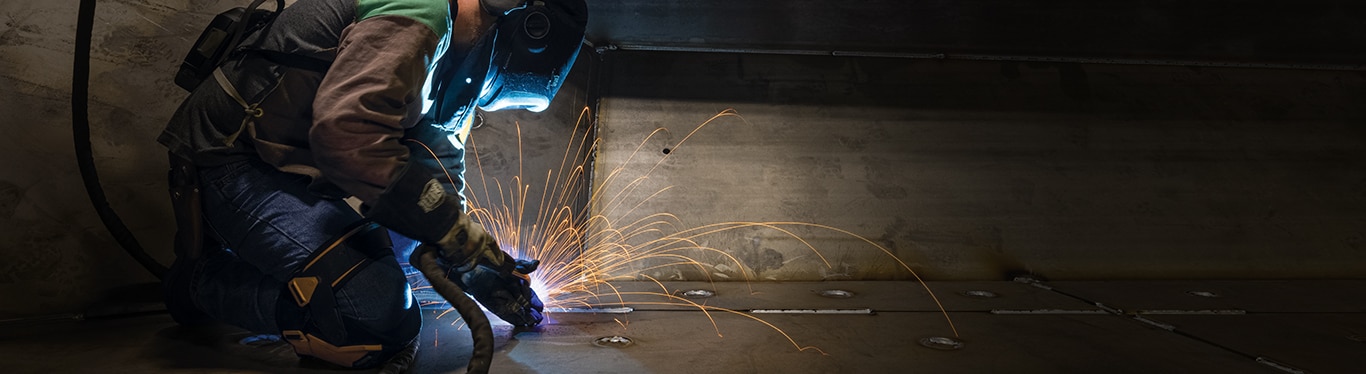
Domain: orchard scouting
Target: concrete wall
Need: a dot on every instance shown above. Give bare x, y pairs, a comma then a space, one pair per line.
977, 170
58, 256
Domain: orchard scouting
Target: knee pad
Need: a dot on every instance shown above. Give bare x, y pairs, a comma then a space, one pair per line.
308, 313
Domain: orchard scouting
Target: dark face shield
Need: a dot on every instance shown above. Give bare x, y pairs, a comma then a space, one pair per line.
519, 64
533, 50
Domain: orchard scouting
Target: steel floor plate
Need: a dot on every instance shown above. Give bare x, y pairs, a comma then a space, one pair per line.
1320, 343
874, 295
1267, 296
1063, 335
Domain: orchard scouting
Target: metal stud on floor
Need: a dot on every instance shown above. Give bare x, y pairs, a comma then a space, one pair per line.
941, 343
835, 294
697, 293
980, 294
1209, 294
614, 341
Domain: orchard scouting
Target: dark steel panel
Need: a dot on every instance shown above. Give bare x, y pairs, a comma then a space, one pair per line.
976, 170
1253, 296
689, 342
1321, 31
879, 296
1319, 343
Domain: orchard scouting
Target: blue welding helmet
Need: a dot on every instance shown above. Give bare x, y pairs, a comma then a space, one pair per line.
519, 63
534, 46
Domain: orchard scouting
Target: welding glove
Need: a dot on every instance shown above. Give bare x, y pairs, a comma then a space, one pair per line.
419, 206
498, 281
434, 149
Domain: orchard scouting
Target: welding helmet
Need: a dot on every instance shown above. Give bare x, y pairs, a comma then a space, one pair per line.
534, 46
519, 63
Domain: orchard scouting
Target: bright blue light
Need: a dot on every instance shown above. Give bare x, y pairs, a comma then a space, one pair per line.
519, 100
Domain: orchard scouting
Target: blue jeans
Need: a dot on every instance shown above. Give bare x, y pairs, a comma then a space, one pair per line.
268, 223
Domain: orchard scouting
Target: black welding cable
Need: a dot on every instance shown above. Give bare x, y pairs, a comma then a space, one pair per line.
80, 134
480, 329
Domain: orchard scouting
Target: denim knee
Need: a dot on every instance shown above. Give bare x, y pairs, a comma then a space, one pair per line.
358, 317
378, 300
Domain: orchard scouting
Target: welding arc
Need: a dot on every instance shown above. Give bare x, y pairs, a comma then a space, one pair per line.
480, 329
80, 134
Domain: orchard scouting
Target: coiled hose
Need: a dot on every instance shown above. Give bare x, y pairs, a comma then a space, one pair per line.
424, 258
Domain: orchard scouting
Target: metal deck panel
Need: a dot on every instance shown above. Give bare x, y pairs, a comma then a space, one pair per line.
879, 296
689, 341
1266, 296
1319, 343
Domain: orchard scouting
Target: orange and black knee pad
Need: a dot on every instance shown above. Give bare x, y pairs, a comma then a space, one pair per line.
310, 320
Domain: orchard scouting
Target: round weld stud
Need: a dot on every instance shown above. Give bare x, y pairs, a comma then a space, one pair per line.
836, 294
1210, 294
980, 294
615, 341
941, 343
697, 294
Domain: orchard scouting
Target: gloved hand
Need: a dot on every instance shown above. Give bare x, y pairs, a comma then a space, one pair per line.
422, 207
497, 280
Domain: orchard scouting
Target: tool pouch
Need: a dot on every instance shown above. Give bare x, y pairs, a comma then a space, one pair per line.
188, 207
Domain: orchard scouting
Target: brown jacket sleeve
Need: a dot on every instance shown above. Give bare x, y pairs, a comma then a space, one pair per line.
369, 95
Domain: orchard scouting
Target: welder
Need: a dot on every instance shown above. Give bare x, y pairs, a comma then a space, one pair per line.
371, 99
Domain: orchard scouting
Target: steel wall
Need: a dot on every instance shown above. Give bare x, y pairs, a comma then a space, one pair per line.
980, 170
1223, 31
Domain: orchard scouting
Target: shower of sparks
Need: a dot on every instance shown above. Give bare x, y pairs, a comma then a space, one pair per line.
581, 251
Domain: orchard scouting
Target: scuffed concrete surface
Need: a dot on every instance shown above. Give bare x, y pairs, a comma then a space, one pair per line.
59, 256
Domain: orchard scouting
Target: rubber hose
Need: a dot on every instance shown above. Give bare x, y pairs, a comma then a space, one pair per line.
480, 329
80, 134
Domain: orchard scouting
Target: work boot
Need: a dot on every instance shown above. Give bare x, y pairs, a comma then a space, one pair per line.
178, 290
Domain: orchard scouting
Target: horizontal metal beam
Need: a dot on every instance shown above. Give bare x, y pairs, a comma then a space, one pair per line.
980, 57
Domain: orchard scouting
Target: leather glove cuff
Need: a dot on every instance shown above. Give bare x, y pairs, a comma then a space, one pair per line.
417, 205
